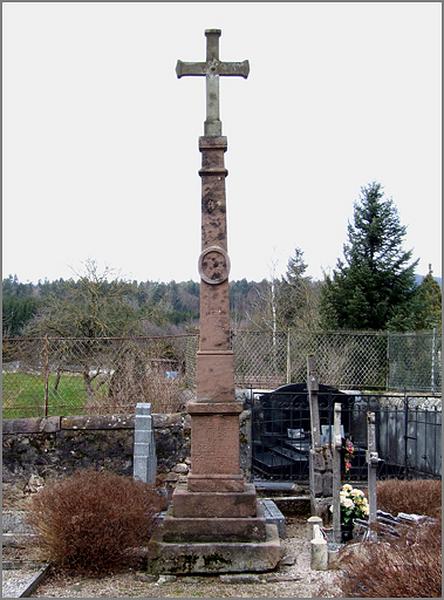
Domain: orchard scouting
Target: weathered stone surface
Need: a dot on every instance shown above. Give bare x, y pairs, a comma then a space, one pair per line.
209, 482
181, 468
293, 505
245, 443
322, 507
144, 458
163, 579
98, 422
319, 555
327, 483
15, 522
163, 421
214, 557
59, 453
318, 460
272, 514
214, 504
31, 425
311, 522
237, 578
215, 375
227, 529
317, 483
215, 444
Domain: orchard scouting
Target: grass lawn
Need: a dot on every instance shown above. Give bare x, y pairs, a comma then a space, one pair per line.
24, 395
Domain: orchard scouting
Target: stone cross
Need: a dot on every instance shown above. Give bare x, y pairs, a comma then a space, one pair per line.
215, 523
212, 69
372, 462
336, 487
313, 389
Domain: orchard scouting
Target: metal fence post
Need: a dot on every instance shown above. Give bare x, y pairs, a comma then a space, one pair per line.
433, 386
288, 356
46, 374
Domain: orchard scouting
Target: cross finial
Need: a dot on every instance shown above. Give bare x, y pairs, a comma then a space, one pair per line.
211, 70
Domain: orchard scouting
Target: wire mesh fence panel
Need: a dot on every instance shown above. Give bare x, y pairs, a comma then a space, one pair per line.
191, 346
342, 359
260, 358
58, 376
414, 361
53, 376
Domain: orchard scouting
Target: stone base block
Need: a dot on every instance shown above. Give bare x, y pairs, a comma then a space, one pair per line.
225, 529
214, 504
215, 483
207, 530
214, 557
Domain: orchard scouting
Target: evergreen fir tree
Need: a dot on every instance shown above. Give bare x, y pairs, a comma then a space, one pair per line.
428, 300
375, 283
297, 296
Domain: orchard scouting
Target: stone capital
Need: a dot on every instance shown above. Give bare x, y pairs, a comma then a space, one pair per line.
213, 142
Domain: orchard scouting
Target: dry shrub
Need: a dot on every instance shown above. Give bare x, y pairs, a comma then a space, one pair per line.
420, 496
409, 567
89, 522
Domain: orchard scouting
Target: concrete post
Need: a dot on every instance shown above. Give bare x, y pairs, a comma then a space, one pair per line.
145, 460
319, 551
311, 522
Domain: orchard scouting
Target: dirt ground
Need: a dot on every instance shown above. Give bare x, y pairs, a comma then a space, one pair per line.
296, 581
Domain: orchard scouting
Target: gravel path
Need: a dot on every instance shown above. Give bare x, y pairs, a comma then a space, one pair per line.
16, 581
297, 580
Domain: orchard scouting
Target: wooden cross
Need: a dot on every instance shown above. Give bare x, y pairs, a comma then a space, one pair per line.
211, 70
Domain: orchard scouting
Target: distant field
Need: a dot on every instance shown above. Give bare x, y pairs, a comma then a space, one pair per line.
24, 395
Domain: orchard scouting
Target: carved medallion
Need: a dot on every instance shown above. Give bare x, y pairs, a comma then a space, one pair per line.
214, 265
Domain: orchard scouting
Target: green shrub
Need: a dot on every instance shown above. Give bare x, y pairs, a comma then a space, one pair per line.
88, 522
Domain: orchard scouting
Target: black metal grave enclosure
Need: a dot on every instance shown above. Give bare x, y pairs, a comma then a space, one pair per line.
281, 429
408, 438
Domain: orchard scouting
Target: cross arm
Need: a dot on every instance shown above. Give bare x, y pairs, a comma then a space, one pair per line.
213, 67
240, 69
188, 68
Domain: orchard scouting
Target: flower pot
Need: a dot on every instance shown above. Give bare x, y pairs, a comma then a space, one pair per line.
346, 532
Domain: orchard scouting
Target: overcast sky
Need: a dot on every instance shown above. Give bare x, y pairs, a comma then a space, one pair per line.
100, 138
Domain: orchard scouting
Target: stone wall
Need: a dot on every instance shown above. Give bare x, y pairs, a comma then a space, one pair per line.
57, 446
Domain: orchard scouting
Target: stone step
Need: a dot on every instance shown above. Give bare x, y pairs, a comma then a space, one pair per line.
14, 521
279, 488
272, 514
214, 557
18, 540
292, 505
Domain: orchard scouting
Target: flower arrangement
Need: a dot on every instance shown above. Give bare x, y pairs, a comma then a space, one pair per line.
353, 503
349, 451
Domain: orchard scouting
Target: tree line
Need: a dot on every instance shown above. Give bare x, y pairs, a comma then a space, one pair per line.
372, 287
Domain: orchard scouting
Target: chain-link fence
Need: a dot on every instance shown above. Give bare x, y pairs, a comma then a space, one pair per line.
374, 360
414, 360
61, 376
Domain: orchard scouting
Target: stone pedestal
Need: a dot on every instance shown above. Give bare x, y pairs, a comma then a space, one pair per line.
214, 523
